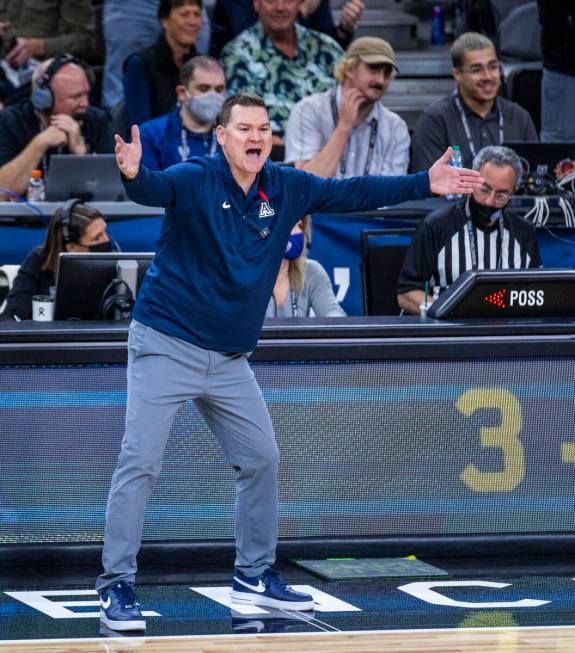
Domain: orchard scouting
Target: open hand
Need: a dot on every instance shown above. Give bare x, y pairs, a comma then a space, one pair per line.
128, 155
445, 180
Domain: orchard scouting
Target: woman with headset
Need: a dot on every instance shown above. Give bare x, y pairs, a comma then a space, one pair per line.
302, 285
75, 227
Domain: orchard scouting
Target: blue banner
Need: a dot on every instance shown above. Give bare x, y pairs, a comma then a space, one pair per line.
336, 244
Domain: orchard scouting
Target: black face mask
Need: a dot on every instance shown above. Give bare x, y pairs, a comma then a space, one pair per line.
483, 215
102, 247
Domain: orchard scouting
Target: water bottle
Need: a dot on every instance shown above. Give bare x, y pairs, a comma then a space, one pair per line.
36, 190
437, 26
456, 161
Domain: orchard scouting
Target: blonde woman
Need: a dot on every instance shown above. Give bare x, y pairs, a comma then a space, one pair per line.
302, 285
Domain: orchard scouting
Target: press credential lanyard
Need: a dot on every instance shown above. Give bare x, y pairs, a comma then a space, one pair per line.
184, 148
465, 124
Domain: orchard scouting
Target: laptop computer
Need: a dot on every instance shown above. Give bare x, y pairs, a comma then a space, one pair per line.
89, 177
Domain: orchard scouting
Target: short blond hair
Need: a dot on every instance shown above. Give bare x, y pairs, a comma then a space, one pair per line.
343, 65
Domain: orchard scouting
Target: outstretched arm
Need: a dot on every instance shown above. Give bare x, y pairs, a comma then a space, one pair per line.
142, 185
373, 192
445, 180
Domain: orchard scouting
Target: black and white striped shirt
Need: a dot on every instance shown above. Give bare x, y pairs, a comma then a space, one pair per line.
441, 249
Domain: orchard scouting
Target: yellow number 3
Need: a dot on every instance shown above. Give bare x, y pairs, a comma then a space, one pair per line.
504, 437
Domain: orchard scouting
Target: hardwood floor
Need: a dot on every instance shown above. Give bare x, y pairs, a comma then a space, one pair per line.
486, 640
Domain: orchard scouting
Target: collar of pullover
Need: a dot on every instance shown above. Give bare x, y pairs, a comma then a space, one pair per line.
264, 180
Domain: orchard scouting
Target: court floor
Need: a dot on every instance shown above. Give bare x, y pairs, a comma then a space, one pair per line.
518, 605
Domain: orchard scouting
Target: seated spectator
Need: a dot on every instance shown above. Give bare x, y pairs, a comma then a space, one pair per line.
142, 16
473, 116
76, 227
35, 29
280, 60
189, 130
346, 131
230, 17
303, 287
56, 119
151, 76
476, 233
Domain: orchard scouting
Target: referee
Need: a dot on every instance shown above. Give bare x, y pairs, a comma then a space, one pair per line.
476, 233
197, 318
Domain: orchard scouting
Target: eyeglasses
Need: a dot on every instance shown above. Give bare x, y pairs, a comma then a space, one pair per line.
493, 67
501, 196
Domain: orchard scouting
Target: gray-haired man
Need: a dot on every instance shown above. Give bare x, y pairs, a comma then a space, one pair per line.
476, 233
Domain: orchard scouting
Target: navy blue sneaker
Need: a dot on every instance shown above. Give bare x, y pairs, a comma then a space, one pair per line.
268, 589
119, 608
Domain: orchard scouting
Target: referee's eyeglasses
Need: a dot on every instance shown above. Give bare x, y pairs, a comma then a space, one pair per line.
500, 196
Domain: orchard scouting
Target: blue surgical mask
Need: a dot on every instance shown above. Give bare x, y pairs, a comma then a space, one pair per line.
294, 246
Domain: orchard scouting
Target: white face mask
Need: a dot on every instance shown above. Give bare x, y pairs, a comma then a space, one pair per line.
206, 107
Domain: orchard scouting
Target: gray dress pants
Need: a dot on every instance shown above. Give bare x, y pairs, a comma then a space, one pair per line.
163, 373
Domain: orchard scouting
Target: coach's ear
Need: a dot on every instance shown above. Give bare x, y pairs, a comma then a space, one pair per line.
221, 134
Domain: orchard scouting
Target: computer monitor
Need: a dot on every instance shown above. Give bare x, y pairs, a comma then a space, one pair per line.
508, 293
382, 255
92, 177
542, 158
84, 277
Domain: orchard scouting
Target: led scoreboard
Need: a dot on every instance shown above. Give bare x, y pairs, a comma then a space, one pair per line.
508, 293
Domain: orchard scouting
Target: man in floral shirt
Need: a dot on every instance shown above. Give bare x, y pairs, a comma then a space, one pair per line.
280, 60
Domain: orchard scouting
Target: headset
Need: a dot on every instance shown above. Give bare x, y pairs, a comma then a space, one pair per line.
118, 296
66, 218
42, 97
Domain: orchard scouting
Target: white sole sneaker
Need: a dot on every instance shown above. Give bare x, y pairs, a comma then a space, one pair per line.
247, 598
122, 625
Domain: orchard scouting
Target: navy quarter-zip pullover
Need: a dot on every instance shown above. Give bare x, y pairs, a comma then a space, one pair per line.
219, 251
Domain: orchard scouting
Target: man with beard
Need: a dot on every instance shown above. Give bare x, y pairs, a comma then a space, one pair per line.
473, 116
476, 233
188, 130
57, 118
346, 131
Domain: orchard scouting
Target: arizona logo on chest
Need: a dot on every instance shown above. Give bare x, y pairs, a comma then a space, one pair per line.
266, 210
